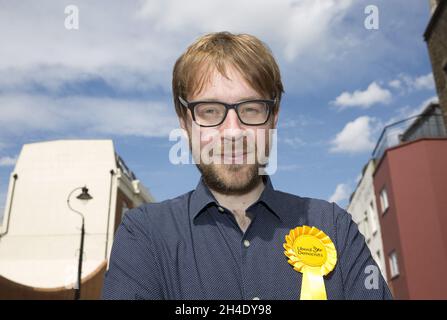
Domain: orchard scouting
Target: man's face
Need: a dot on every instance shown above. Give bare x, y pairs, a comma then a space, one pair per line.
235, 172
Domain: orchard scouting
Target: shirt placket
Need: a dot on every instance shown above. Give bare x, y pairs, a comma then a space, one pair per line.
242, 247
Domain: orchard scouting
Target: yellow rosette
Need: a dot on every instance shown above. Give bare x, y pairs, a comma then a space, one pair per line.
311, 252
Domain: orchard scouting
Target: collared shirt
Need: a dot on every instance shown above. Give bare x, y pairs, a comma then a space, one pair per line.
190, 247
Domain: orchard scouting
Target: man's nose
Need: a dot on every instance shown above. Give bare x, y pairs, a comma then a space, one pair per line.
232, 125
232, 120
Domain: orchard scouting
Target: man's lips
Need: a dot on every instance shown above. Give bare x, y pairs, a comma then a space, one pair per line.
232, 154
238, 155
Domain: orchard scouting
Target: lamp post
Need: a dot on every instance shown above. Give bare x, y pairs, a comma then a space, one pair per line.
84, 197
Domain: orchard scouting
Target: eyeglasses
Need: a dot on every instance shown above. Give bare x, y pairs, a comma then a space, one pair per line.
213, 113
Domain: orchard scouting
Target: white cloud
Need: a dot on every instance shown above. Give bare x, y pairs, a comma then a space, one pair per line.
111, 45
294, 27
135, 43
406, 83
424, 82
89, 115
7, 161
109, 34
374, 94
54, 78
341, 193
131, 47
355, 137
396, 84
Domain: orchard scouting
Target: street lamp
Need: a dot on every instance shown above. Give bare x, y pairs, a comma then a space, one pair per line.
84, 197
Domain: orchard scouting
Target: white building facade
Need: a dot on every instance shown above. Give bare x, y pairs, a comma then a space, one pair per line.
363, 208
40, 235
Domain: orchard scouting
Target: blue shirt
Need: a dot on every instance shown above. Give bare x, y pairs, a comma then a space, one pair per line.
189, 247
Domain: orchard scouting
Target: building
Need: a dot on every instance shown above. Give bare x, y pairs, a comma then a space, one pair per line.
410, 180
40, 235
362, 206
399, 205
436, 38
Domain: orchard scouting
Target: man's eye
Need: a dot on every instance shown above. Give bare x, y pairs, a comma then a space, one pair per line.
209, 111
251, 110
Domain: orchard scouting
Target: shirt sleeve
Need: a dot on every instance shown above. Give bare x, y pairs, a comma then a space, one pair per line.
133, 273
362, 278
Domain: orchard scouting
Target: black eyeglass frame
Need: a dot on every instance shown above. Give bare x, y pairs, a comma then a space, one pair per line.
191, 105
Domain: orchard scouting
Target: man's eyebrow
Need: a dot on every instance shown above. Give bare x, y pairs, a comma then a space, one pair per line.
241, 99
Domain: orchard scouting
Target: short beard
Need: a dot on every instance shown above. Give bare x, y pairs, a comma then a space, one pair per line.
231, 179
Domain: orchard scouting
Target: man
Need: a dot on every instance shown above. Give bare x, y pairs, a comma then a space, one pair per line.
226, 238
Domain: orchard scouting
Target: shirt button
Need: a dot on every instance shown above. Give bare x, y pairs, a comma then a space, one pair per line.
246, 243
256, 298
220, 209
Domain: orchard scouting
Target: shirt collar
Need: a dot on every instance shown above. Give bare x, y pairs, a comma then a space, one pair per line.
202, 197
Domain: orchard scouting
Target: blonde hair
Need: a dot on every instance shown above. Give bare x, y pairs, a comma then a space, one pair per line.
214, 51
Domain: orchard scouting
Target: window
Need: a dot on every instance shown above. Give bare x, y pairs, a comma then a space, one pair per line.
378, 259
366, 224
384, 200
373, 217
394, 266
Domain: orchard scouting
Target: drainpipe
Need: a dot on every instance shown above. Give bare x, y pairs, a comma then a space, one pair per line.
15, 176
112, 173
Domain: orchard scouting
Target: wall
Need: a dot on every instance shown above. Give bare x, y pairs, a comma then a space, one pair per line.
416, 179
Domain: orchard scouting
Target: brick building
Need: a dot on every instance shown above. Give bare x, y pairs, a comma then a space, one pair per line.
436, 38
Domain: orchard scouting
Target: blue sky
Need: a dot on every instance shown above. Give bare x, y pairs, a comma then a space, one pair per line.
111, 79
